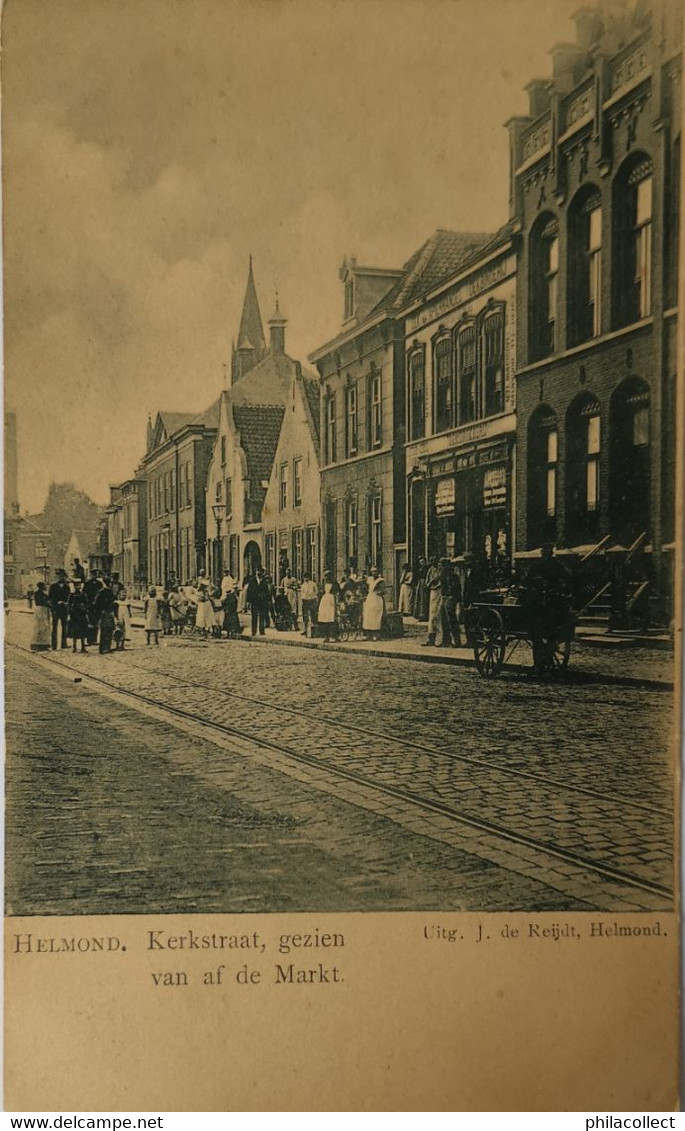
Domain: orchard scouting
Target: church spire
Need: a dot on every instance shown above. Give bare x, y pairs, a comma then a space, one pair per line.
251, 347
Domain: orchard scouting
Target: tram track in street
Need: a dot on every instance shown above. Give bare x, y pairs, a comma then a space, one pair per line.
421, 804
367, 732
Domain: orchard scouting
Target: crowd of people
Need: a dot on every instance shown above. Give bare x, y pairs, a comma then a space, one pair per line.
91, 611
95, 610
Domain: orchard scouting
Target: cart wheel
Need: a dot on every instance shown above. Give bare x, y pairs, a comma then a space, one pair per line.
490, 643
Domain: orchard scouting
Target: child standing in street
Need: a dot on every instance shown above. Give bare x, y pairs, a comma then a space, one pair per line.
153, 620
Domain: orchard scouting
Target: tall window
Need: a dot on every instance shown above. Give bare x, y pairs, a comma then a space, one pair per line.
585, 267
351, 529
376, 531
349, 298
443, 385
167, 493
351, 420
223, 451
544, 270
297, 482
417, 393
229, 498
375, 411
632, 282
218, 491
298, 560
492, 399
189, 498
151, 499
313, 552
182, 485
331, 433
283, 487
583, 453
629, 460
172, 489
9, 545
466, 359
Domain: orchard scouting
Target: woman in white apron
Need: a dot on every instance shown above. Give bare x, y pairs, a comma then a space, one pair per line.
374, 605
327, 614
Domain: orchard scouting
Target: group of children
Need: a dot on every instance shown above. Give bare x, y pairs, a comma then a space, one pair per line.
200, 606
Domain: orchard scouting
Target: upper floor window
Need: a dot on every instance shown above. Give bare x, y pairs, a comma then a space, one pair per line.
632, 281
223, 451
349, 298
466, 369
351, 420
283, 487
585, 267
188, 498
218, 491
375, 411
417, 394
297, 482
544, 270
172, 489
443, 388
492, 399
229, 498
9, 545
331, 431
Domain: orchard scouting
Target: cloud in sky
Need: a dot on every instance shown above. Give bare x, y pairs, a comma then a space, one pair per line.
150, 147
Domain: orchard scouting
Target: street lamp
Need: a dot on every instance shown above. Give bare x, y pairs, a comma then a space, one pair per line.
219, 512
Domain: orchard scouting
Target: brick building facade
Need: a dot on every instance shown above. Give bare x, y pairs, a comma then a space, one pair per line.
595, 188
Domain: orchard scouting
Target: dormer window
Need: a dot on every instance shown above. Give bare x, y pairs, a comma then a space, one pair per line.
349, 298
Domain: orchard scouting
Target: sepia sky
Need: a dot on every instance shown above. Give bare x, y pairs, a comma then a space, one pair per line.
151, 145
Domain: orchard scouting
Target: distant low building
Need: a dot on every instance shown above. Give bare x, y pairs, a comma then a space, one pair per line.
26, 553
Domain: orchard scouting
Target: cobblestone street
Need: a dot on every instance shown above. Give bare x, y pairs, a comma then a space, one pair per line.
226, 776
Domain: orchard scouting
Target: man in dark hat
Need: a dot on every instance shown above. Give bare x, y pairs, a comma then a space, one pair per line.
58, 595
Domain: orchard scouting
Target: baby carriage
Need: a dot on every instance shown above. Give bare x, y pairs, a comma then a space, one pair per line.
283, 612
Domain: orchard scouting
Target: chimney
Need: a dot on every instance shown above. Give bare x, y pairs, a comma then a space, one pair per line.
588, 21
568, 62
538, 97
277, 325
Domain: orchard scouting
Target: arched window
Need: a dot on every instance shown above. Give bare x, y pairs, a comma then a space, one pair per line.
585, 266
543, 454
632, 236
492, 394
583, 452
467, 365
629, 462
417, 393
443, 384
544, 269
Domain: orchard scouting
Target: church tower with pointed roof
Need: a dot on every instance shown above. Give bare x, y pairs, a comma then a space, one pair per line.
251, 346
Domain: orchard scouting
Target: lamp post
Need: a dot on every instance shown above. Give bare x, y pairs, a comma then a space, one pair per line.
219, 512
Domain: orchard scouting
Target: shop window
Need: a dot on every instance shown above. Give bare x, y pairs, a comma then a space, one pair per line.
376, 531
297, 553
583, 454
632, 275
351, 421
466, 373
544, 270
493, 357
585, 266
417, 394
351, 529
443, 385
331, 432
629, 461
543, 455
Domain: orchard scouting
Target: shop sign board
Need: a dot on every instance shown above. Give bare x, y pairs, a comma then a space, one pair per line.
495, 487
445, 497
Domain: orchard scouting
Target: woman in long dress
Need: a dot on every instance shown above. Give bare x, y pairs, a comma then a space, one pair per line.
204, 619
327, 614
374, 605
42, 629
77, 616
406, 590
153, 620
